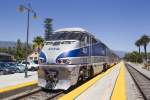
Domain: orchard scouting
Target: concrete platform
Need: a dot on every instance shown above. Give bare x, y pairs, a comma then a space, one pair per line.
102, 88
106, 86
114, 84
17, 80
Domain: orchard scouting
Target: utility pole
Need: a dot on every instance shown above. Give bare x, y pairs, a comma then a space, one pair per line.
29, 10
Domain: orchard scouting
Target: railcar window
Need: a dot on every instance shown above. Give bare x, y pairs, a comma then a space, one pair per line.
76, 36
72, 36
57, 36
62, 36
83, 37
80, 35
94, 40
99, 50
67, 36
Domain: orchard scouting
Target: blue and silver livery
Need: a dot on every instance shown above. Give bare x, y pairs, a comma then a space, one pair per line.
72, 55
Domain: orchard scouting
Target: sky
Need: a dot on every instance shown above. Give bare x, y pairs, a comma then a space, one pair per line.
118, 23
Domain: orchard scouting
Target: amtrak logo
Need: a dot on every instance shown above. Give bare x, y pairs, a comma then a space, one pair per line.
53, 48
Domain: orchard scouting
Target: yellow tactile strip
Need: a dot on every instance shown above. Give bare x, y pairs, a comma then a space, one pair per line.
72, 95
10, 88
119, 92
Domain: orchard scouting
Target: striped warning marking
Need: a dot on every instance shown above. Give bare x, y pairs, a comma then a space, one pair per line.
119, 92
10, 88
75, 93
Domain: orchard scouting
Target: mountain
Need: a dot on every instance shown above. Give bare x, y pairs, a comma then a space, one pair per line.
6, 44
121, 54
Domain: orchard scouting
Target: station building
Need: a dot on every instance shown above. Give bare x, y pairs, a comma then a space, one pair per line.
5, 57
34, 56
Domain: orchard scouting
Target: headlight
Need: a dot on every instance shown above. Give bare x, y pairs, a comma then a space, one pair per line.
64, 61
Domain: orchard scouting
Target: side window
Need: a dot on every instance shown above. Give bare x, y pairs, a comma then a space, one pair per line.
94, 40
85, 38
103, 52
99, 50
82, 37
88, 38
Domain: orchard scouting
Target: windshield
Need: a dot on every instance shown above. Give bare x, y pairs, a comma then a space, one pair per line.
67, 36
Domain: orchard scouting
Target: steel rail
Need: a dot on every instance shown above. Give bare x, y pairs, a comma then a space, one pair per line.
134, 71
35, 94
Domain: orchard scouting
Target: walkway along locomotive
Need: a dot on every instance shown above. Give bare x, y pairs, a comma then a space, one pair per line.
72, 55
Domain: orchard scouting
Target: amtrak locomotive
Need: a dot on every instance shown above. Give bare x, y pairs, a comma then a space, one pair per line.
72, 55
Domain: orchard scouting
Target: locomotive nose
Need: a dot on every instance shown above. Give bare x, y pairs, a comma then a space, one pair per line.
53, 49
42, 57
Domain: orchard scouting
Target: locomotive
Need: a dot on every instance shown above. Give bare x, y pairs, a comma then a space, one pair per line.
72, 55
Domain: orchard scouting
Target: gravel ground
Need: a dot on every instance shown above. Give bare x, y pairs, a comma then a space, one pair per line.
139, 68
132, 93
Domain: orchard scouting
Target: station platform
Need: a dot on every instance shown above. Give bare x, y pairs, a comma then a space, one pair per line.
15, 81
109, 85
114, 84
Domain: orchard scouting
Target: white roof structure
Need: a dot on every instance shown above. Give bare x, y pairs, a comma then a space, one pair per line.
71, 29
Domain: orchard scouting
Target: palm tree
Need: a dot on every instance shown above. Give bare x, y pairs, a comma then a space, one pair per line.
38, 42
145, 41
138, 44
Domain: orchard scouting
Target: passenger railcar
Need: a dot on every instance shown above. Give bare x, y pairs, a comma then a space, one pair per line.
72, 55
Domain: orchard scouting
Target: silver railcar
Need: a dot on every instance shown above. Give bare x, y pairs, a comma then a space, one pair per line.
72, 55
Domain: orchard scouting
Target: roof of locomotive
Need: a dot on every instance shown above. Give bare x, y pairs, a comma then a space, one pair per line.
71, 29
76, 29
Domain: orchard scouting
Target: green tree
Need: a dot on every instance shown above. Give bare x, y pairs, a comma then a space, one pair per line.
48, 28
11, 50
38, 42
145, 41
19, 50
3, 50
138, 43
30, 49
133, 57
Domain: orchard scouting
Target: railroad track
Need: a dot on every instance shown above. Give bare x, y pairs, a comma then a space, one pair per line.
39, 94
142, 82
